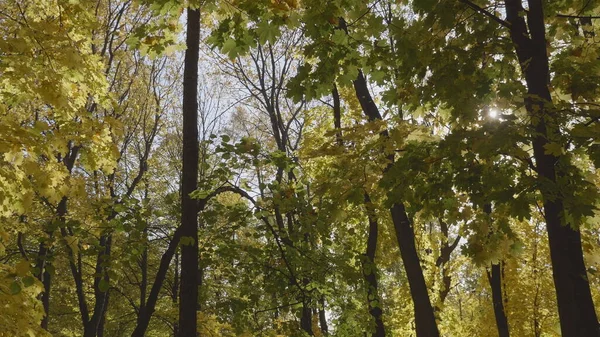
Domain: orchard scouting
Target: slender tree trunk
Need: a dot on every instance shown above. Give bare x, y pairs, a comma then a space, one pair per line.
101, 297
188, 295
575, 305
43, 275
146, 311
200, 277
102, 323
322, 318
370, 271
44, 251
306, 319
337, 115
46, 278
425, 323
495, 279
144, 272
536, 277
443, 261
495, 276
175, 291
47, 282
144, 268
306, 313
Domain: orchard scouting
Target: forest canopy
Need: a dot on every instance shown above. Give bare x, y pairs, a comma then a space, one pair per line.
299, 168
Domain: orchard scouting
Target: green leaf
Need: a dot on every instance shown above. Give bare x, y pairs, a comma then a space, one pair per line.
103, 285
594, 153
15, 288
119, 208
554, 149
424, 5
378, 75
261, 214
229, 48
339, 37
28, 281
23, 267
199, 194
186, 241
267, 32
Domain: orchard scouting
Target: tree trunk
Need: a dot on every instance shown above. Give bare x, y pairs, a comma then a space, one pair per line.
495, 279
100, 296
306, 319
61, 211
322, 318
46, 278
146, 311
425, 323
337, 115
175, 291
188, 295
43, 253
101, 324
370, 271
442, 262
575, 305
144, 271
47, 282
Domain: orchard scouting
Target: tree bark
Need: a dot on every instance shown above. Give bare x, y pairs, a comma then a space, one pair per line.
146, 311
337, 115
61, 211
175, 291
306, 318
188, 295
144, 272
575, 305
47, 282
101, 324
495, 279
322, 318
101, 297
370, 271
45, 277
443, 261
425, 323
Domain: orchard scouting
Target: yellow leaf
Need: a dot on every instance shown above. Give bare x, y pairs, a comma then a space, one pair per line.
554, 149
73, 243
22, 268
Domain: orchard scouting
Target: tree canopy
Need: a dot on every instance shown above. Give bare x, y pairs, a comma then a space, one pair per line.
299, 168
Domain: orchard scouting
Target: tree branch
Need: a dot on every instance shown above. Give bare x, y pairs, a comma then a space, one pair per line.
572, 16
485, 12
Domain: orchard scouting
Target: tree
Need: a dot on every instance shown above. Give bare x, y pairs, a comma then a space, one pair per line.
324, 139
188, 298
575, 304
